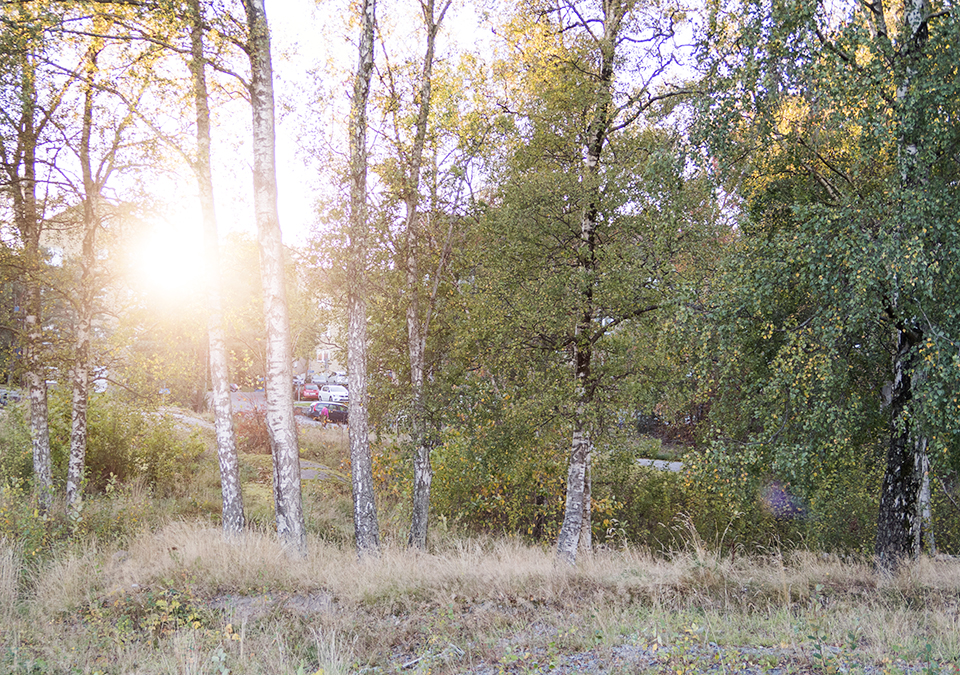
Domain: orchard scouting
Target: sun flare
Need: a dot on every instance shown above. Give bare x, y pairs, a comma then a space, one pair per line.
169, 260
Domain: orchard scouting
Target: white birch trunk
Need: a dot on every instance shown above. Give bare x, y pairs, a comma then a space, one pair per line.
576, 532
417, 327
22, 175
85, 300
279, 367
905, 494
366, 529
573, 513
232, 497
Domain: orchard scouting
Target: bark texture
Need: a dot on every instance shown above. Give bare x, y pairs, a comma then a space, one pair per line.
900, 524
366, 529
900, 529
279, 368
418, 326
576, 528
232, 510
20, 165
85, 297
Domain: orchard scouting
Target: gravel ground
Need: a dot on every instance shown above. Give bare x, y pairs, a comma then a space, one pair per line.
710, 659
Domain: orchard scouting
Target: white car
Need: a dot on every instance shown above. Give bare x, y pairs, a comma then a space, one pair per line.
334, 392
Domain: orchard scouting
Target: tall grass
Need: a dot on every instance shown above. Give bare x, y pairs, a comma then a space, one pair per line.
9, 575
171, 594
185, 599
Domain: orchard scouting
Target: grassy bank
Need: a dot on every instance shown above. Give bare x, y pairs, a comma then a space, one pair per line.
183, 600
145, 583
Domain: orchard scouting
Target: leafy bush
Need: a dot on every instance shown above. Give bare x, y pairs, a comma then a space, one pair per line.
843, 509
648, 504
22, 521
16, 453
501, 478
253, 437
124, 443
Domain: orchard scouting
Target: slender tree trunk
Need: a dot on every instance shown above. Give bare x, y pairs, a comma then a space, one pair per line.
37, 386
416, 327
900, 530
85, 299
279, 367
232, 511
366, 529
576, 529
422, 472
27, 217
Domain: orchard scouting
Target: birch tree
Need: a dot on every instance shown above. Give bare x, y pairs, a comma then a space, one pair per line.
840, 120
418, 309
233, 518
279, 371
364, 505
590, 227
31, 101
86, 291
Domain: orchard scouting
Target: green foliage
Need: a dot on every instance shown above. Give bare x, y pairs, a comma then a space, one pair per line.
16, 454
657, 509
23, 521
844, 244
124, 442
842, 506
501, 476
148, 614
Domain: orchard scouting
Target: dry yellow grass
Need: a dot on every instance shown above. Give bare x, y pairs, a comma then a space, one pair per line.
9, 571
182, 599
470, 602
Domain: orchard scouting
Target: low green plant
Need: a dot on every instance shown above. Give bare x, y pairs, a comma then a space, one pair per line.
16, 453
500, 478
149, 614
124, 442
22, 520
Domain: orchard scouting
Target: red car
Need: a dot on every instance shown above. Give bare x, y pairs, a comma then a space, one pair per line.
310, 392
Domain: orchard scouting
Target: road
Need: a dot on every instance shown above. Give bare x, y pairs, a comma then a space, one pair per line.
661, 464
247, 400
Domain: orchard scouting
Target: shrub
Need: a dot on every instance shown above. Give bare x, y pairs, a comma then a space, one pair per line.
22, 520
253, 437
123, 443
501, 478
843, 509
653, 508
126, 443
16, 453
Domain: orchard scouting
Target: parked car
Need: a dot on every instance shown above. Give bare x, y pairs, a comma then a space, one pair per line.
334, 392
336, 412
309, 392
9, 396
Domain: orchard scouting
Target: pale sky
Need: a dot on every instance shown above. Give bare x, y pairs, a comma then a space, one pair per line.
314, 55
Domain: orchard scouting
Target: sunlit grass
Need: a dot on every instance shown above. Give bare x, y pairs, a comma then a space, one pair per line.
174, 596
471, 600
